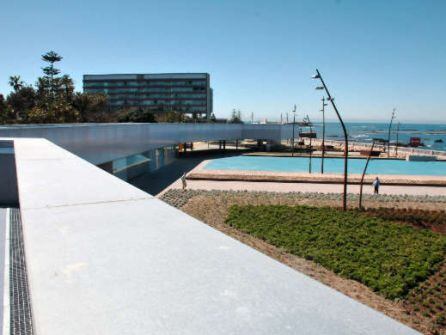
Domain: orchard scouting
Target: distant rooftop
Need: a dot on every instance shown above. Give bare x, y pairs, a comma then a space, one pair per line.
132, 76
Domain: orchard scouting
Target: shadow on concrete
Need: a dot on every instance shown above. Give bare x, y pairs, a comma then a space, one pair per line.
156, 181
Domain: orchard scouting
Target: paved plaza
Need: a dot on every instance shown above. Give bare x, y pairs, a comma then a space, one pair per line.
305, 187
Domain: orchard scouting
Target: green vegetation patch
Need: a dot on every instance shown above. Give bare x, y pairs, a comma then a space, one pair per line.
388, 257
416, 217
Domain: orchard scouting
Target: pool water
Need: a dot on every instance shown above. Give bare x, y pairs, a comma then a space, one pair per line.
331, 165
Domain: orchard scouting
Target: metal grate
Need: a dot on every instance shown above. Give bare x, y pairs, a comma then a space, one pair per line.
20, 304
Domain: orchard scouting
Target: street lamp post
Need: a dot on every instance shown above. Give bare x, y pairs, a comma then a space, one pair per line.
294, 124
344, 129
397, 138
323, 134
363, 174
308, 122
390, 128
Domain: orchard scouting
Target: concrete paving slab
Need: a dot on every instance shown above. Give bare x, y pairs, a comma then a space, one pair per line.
38, 149
145, 267
72, 181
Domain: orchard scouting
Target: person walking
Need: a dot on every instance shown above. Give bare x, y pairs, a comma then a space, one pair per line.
183, 181
376, 184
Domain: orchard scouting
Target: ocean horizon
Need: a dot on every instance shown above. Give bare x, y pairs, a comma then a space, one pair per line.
432, 135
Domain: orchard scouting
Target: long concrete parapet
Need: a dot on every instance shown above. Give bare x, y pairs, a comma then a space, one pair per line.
100, 143
104, 257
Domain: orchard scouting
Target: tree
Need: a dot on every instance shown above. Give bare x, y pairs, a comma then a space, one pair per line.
91, 106
50, 71
55, 94
137, 115
64, 112
60, 112
66, 88
6, 114
21, 101
16, 83
52, 100
40, 115
171, 117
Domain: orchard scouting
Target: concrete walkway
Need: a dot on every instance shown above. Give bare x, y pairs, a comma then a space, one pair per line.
304, 187
154, 182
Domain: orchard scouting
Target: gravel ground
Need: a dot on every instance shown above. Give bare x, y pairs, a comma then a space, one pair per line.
178, 198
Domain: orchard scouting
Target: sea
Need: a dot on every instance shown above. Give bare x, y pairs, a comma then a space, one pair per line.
433, 136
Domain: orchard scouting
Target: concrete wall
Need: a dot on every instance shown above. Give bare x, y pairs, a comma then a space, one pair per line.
100, 143
8, 177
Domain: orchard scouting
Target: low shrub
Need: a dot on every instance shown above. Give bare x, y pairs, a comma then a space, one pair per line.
417, 217
387, 257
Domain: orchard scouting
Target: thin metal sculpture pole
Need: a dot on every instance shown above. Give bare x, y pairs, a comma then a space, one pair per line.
388, 135
311, 150
363, 174
397, 138
344, 129
294, 124
323, 134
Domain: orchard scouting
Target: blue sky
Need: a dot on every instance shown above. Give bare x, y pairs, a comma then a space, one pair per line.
374, 55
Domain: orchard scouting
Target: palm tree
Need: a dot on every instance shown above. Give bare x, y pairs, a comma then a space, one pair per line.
16, 82
67, 87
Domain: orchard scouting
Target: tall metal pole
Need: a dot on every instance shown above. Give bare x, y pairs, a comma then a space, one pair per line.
323, 134
363, 174
390, 128
344, 129
397, 138
307, 120
294, 124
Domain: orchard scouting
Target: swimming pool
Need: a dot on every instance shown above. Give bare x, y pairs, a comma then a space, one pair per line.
331, 165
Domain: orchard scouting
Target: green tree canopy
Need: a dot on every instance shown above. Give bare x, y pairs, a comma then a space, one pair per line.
137, 115
6, 113
20, 101
16, 82
92, 107
52, 100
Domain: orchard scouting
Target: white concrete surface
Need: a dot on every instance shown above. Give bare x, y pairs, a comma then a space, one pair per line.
106, 258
